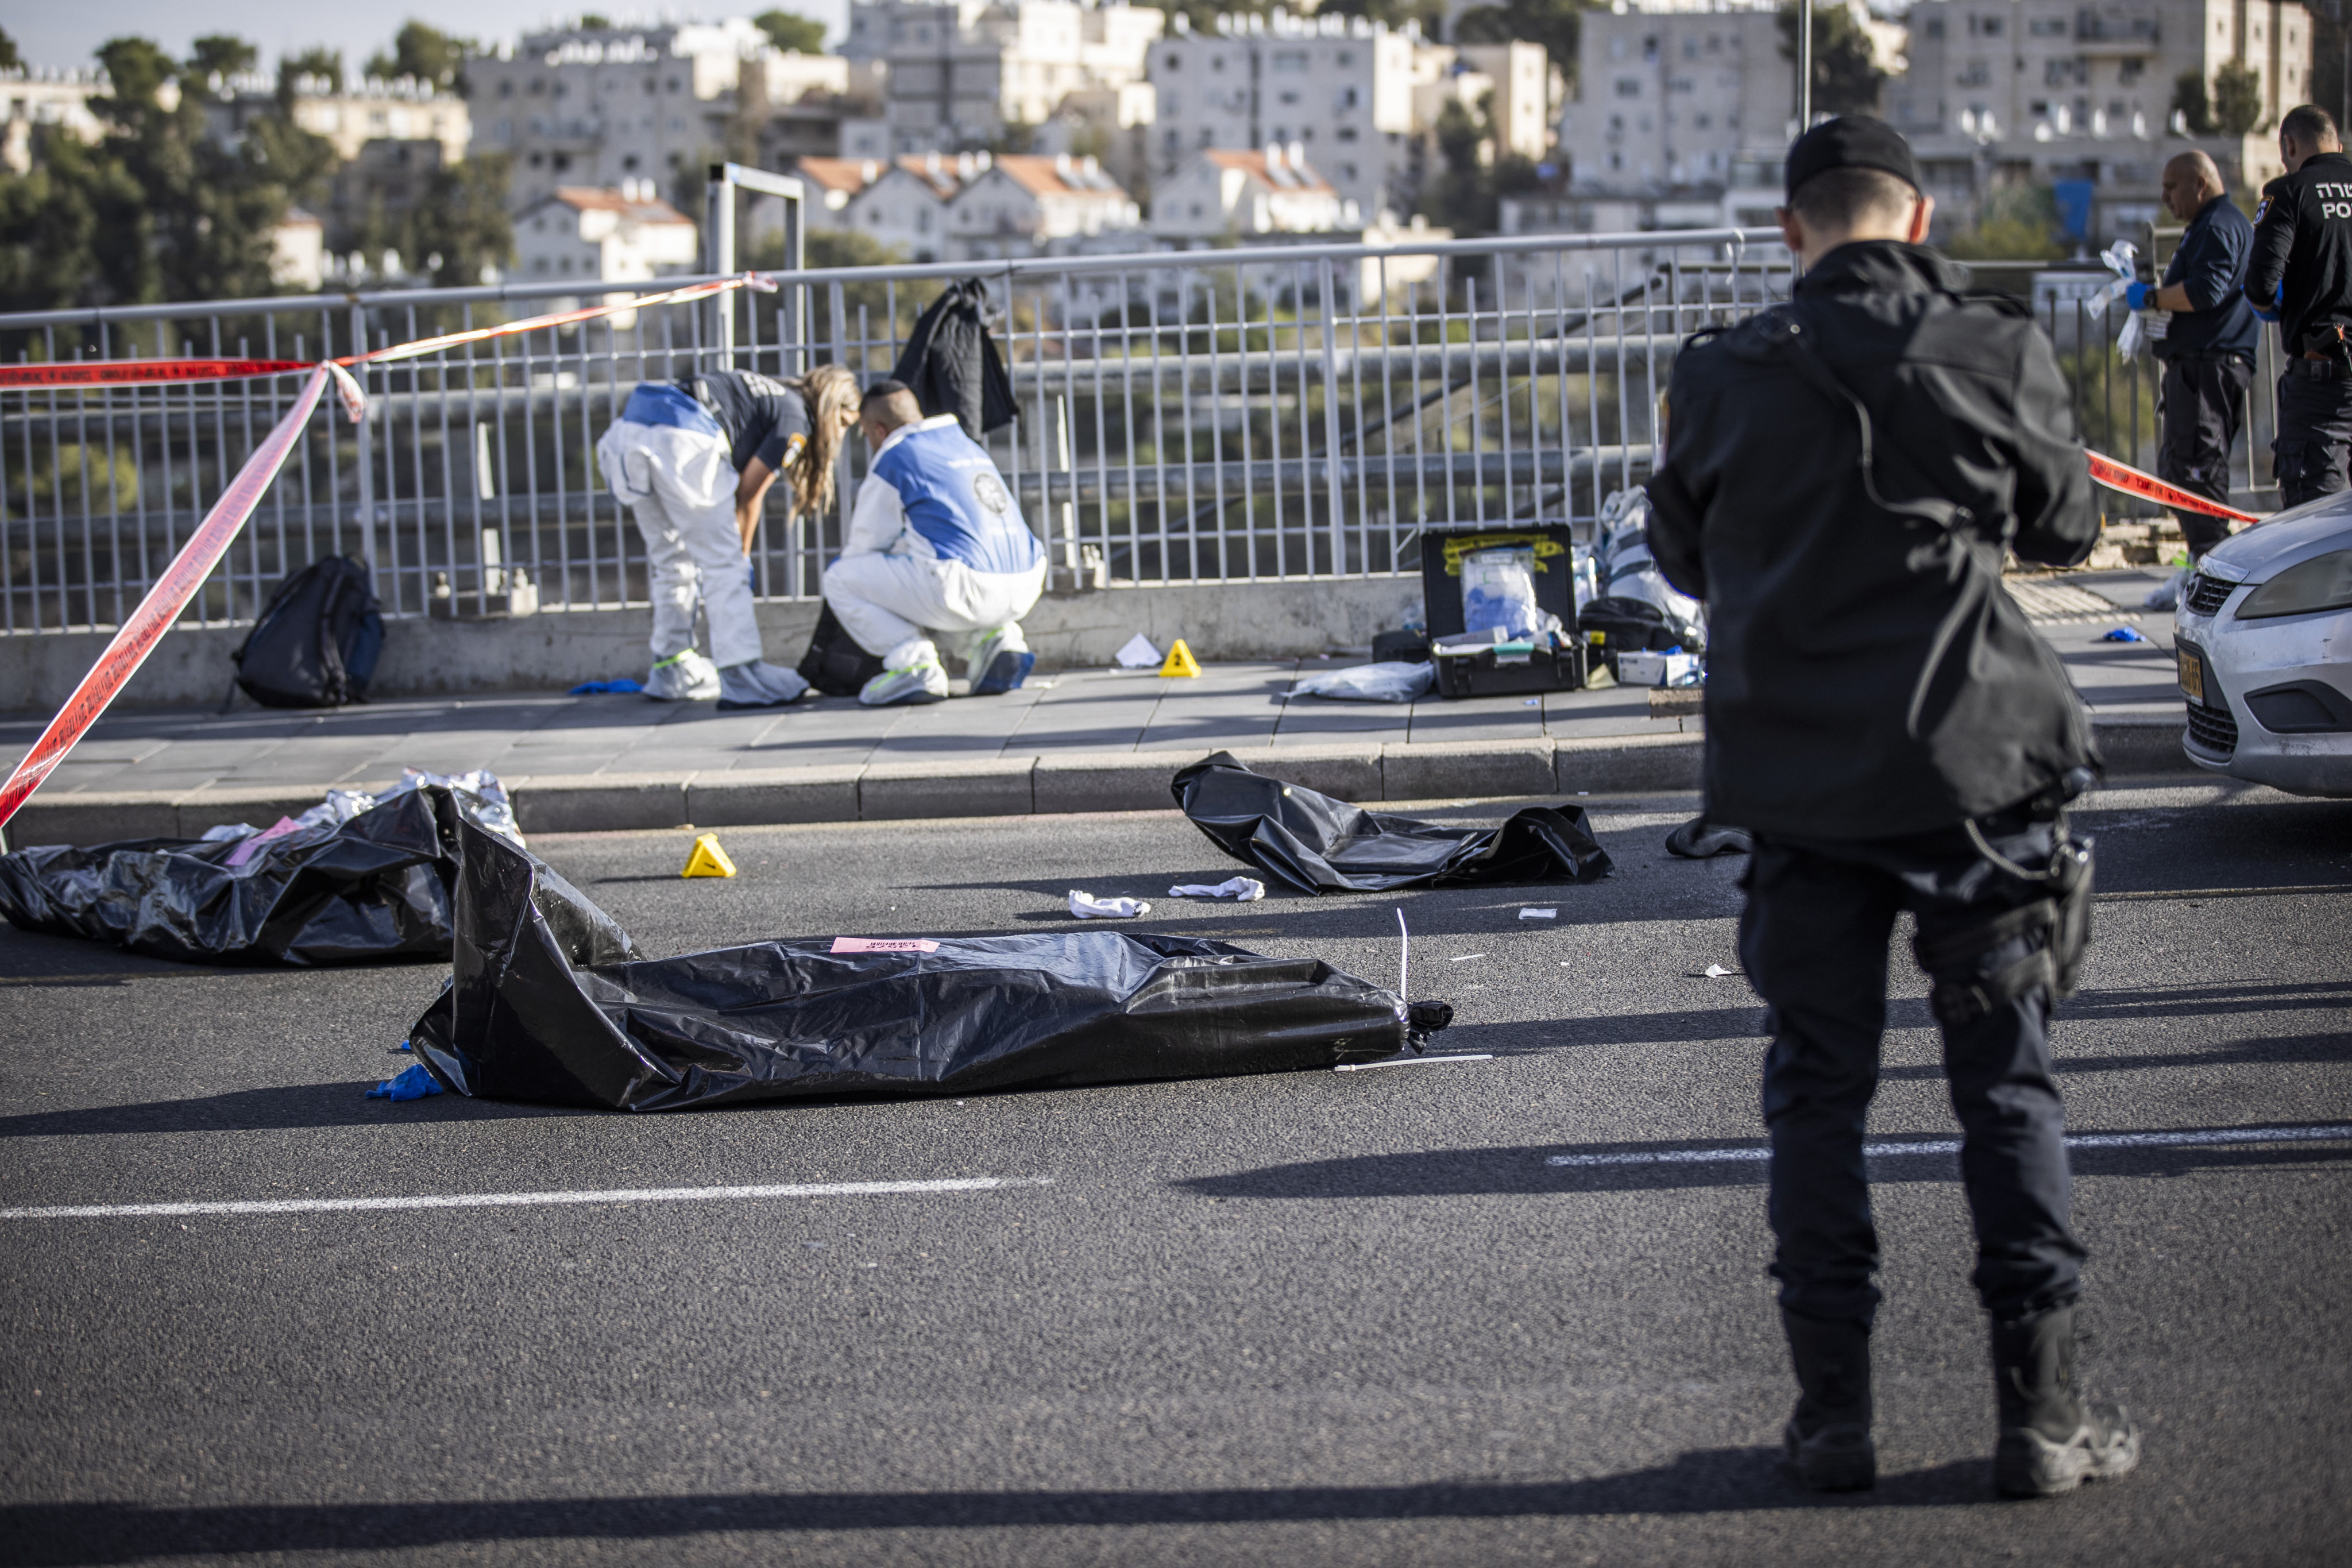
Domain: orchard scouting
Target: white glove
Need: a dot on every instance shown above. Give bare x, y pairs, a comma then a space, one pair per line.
1087, 907
1242, 888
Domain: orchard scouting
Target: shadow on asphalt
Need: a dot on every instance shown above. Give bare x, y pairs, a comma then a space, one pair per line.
2323, 1047
1708, 1480
1467, 1172
269, 1109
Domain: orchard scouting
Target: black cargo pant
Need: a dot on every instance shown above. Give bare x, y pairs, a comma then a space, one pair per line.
1814, 941
2202, 401
2315, 431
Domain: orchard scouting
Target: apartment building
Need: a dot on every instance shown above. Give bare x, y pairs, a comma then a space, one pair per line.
903, 204
1225, 192
624, 235
959, 74
2080, 95
1670, 101
591, 107
1021, 204
348, 117
39, 102
1340, 87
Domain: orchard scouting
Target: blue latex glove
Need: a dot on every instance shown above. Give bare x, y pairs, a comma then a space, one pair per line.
2139, 296
2278, 303
416, 1083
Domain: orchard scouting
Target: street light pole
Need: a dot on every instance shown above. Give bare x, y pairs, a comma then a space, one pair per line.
1804, 66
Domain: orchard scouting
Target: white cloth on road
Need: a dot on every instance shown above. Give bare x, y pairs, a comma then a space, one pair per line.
1244, 890
680, 484
1087, 907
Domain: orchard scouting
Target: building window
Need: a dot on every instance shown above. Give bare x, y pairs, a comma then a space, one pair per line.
1172, 61
1289, 61
2047, 27
2128, 72
1629, 87
1347, 134
1935, 26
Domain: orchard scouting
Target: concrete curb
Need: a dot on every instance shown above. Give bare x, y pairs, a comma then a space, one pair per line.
996, 786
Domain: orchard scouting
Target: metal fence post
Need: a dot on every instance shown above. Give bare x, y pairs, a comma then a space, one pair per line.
367, 453
1333, 467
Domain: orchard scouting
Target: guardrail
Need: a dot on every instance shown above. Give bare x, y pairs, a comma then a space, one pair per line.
1204, 416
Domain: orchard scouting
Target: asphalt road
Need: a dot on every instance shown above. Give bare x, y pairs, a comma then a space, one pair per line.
1305, 1319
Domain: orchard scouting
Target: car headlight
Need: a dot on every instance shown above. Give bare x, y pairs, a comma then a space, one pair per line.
2324, 582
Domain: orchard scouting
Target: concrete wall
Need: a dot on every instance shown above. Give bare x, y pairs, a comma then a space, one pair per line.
1222, 621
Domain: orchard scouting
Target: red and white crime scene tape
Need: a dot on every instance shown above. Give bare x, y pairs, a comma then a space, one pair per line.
145, 625
2131, 481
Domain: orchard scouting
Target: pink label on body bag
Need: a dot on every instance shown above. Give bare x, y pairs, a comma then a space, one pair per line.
876, 945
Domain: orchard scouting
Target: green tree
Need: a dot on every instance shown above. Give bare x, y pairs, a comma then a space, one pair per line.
50, 222
1846, 77
2237, 99
2017, 223
461, 225
427, 54
317, 60
2190, 102
10, 60
1554, 23
216, 57
299, 161
1466, 195
791, 32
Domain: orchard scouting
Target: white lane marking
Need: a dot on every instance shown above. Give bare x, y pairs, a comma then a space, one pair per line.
1413, 1062
2207, 1138
529, 1200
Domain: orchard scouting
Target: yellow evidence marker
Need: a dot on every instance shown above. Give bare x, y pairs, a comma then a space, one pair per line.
1181, 661
708, 859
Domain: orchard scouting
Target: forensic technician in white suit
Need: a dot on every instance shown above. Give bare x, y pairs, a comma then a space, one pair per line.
936, 544
694, 460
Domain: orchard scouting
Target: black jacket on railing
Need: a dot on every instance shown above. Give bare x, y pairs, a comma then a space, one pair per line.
1867, 675
951, 365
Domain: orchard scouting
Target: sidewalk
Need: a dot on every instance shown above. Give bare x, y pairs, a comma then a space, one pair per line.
1071, 741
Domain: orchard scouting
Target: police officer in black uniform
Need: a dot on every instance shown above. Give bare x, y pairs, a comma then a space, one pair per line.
2301, 276
1844, 474
2208, 350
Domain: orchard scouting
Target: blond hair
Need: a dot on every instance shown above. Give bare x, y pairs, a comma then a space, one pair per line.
830, 390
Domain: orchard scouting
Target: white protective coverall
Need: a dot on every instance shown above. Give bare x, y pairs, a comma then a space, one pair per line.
669, 461
936, 543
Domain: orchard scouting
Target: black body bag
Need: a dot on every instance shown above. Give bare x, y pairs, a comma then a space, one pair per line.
548, 1002
1319, 845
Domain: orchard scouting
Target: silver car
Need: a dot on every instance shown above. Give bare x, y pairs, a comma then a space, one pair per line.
2263, 634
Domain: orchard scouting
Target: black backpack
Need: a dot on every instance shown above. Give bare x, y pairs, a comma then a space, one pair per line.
317, 642
834, 664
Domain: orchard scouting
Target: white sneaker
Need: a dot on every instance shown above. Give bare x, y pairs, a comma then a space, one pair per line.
685, 677
925, 681
758, 684
997, 669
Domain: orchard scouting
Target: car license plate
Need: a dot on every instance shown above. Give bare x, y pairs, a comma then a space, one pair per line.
2192, 674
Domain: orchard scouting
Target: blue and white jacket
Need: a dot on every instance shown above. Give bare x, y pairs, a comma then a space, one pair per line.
934, 492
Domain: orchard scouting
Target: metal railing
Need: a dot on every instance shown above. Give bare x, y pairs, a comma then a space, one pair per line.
1205, 416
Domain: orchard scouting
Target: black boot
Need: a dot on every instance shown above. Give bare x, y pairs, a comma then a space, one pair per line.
1828, 1438
2052, 1440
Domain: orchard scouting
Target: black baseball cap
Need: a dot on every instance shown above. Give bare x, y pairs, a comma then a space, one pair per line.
1851, 142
